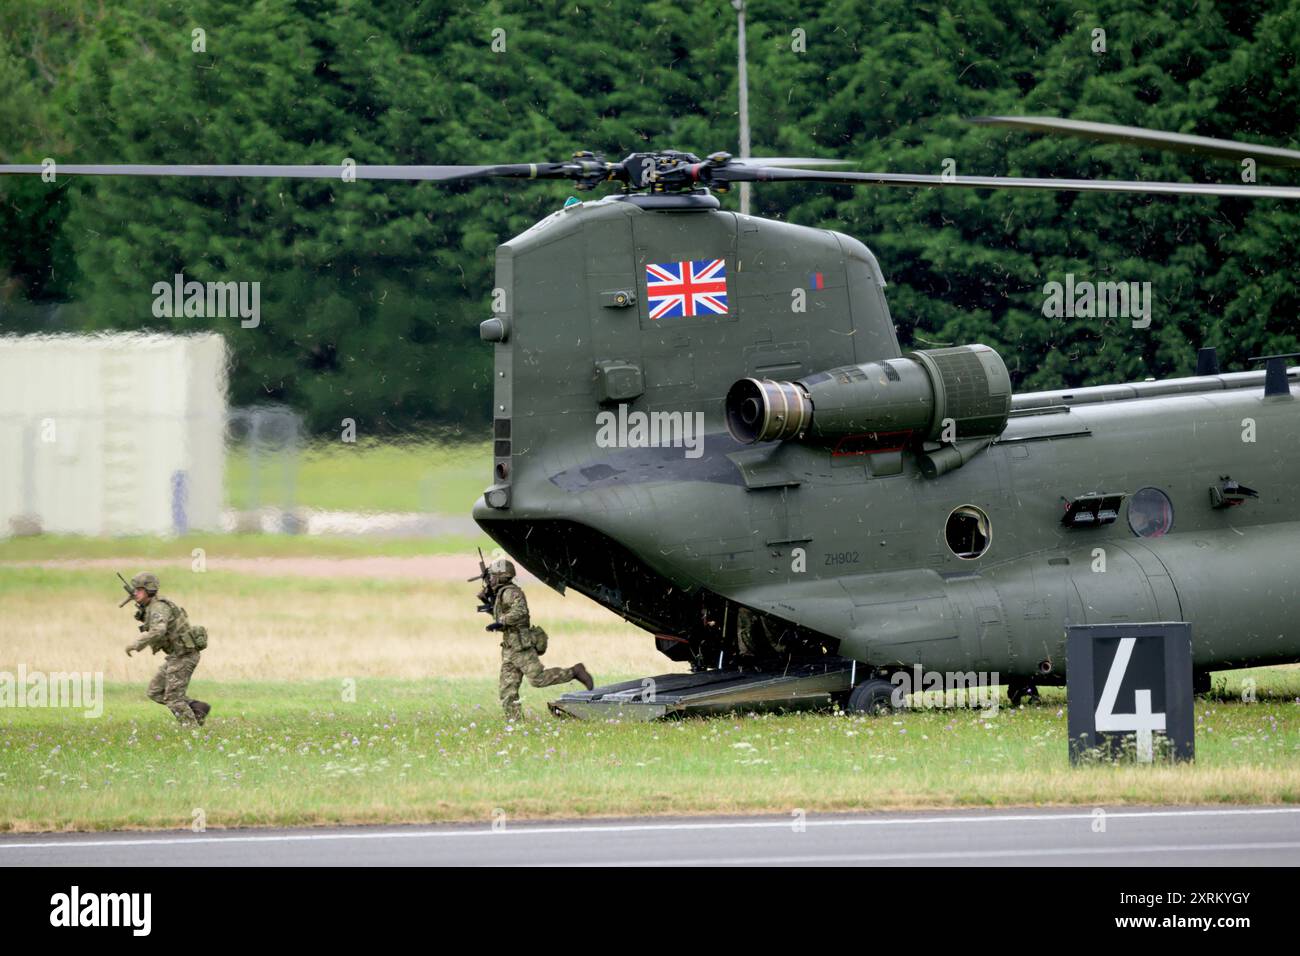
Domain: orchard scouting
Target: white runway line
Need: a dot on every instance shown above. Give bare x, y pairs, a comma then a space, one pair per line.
778, 824
928, 855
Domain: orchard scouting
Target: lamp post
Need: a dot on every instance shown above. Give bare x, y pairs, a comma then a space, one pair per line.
743, 79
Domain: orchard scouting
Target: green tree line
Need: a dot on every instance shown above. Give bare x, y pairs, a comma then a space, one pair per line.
371, 293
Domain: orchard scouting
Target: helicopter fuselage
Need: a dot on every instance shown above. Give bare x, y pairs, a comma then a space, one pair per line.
1093, 505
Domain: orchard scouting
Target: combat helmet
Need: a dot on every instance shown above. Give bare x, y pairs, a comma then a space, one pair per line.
145, 580
502, 569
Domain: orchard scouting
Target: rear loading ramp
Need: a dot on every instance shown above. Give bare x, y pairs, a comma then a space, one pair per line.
802, 687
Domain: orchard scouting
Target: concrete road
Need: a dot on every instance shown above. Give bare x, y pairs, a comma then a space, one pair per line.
1169, 836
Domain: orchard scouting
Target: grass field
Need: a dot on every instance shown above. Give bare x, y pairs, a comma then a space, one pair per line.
431, 750
300, 628
423, 740
431, 477
368, 477
52, 547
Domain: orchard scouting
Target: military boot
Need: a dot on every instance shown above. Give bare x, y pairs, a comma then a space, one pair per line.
201, 710
581, 675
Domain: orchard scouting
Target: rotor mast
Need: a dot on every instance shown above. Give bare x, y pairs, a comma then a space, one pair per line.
742, 72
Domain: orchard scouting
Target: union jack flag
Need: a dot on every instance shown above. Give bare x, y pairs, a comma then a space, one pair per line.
695, 287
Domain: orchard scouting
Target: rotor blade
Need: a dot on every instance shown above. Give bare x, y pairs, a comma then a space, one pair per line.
1153, 139
768, 174
789, 161
339, 172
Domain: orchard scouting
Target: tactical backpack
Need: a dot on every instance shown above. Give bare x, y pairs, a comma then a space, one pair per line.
196, 635
535, 638
529, 637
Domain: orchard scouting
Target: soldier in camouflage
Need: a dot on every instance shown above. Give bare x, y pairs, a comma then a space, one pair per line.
166, 627
519, 657
753, 639
748, 643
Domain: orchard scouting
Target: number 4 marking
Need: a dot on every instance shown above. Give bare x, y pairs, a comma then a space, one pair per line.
1143, 721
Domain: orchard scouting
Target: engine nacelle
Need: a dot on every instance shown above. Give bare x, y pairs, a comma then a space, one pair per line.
912, 397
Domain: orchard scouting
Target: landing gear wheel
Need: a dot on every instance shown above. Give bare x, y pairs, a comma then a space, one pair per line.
1023, 691
1201, 682
871, 697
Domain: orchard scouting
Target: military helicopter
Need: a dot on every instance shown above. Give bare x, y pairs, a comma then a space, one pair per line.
799, 509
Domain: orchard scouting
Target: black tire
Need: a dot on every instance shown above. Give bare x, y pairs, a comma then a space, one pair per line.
1201, 683
1025, 692
872, 697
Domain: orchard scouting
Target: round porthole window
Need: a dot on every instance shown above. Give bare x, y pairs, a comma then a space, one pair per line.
968, 532
1150, 513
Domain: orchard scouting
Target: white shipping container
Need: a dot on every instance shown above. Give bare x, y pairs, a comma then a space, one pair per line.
112, 434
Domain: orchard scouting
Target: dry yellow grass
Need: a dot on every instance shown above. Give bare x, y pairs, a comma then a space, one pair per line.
298, 628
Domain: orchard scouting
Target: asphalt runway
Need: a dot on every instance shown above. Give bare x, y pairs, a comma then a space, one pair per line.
1171, 836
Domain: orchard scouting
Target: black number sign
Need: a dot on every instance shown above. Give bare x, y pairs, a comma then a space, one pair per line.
1130, 685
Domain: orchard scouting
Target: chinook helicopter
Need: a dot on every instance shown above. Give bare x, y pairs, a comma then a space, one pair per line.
799, 509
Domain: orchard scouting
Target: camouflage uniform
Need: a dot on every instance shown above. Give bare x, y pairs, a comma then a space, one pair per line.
166, 628
518, 658
754, 640
751, 634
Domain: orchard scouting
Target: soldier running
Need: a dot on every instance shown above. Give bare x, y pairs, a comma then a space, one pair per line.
519, 655
166, 627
